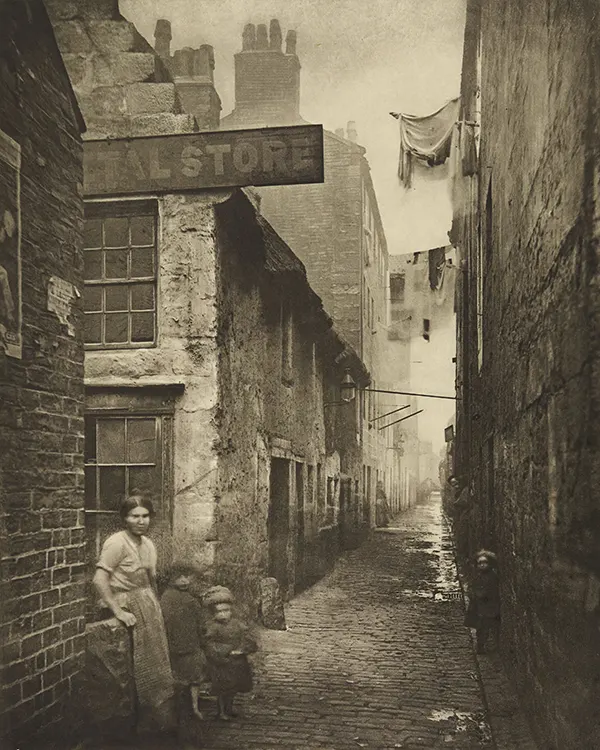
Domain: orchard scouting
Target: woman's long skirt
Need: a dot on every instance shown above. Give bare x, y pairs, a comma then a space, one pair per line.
151, 665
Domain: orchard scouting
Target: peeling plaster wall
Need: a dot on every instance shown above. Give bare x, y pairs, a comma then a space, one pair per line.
267, 415
186, 353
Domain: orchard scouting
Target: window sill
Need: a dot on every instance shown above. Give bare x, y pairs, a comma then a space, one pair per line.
119, 347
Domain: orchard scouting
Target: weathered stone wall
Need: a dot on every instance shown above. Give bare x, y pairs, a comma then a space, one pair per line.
186, 354
533, 409
122, 85
41, 395
263, 411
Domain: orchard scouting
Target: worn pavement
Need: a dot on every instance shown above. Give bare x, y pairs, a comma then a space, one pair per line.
376, 656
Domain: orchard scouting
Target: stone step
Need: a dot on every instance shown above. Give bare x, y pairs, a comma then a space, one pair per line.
139, 125
84, 9
114, 36
151, 98
124, 68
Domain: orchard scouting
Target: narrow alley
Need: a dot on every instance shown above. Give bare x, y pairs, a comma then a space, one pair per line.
375, 656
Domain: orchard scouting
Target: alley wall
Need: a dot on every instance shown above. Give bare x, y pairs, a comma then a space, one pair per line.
531, 416
42, 535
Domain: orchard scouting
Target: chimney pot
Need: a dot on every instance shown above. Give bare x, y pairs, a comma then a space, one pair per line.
162, 37
262, 38
249, 37
290, 43
275, 38
351, 129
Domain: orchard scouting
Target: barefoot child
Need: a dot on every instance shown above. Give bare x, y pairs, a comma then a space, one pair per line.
184, 622
483, 612
228, 641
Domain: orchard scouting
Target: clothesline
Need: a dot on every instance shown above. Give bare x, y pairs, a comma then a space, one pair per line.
426, 138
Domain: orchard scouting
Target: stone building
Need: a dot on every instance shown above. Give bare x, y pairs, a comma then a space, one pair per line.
42, 536
335, 229
207, 354
526, 227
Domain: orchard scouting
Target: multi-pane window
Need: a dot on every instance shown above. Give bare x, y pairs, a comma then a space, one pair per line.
123, 455
120, 274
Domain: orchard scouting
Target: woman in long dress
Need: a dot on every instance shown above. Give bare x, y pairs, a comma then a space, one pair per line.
125, 580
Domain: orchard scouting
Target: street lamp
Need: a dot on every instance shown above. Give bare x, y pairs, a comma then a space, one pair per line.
347, 388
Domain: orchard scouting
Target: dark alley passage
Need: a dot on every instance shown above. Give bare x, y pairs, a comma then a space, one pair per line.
376, 655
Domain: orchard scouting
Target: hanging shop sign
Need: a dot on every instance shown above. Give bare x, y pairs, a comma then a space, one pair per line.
193, 161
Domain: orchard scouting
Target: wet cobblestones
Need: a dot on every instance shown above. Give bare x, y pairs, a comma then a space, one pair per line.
376, 656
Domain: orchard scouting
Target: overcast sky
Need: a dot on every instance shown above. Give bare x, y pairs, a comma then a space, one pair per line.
360, 61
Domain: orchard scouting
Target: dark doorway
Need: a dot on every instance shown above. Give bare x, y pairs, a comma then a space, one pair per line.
300, 529
345, 518
279, 522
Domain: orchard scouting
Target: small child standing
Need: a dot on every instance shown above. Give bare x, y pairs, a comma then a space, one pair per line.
184, 624
483, 612
228, 641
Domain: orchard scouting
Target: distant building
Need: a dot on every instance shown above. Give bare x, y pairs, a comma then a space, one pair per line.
42, 534
335, 228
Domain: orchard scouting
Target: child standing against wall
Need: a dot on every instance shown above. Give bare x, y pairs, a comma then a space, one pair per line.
483, 612
228, 642
184, 620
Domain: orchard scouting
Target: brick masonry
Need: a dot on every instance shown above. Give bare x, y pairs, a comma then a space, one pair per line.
528, 429
41, 396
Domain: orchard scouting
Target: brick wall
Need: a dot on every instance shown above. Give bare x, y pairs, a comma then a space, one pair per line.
41, 397
532, 410
322, 223
267, 79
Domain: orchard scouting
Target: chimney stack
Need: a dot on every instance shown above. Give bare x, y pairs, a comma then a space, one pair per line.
267, 79
290, 43
340, 132
262, 38
162, 38
193, 74
249, 37
352, 135
275, 38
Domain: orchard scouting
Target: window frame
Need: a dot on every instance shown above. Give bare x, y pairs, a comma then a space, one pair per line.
125, 208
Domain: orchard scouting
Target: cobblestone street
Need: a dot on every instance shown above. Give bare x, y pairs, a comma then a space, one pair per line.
375, 655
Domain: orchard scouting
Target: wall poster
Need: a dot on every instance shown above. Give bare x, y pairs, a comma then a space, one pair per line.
10, 247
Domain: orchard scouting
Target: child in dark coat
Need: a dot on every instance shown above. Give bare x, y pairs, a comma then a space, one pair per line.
483, 612
228, 641
184, 620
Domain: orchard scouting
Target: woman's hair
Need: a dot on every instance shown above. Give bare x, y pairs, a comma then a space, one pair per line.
135, 500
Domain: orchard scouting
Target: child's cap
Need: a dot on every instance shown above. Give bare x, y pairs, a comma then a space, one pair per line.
485, 554
217, 595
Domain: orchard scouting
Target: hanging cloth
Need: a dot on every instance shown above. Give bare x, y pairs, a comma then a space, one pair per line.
437, 262
425, 138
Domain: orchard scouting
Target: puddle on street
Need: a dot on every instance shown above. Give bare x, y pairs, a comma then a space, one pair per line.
463, 722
